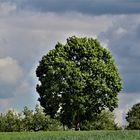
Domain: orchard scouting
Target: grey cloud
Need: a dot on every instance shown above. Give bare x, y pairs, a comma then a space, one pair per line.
123, 41
27, 41
92, 7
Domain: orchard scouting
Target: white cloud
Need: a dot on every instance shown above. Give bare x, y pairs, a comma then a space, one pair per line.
10, 71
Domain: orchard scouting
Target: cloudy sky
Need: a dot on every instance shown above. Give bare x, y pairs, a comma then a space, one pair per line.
30, 28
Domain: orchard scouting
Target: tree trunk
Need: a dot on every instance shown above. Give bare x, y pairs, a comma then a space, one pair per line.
77, 127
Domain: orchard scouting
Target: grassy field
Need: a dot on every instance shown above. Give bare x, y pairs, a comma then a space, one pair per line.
72, 135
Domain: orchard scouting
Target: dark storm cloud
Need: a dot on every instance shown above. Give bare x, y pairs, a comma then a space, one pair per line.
92, 7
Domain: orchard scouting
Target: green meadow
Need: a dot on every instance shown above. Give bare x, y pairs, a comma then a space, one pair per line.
72, 135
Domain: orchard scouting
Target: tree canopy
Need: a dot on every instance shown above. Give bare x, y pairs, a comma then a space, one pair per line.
133, 117
77, 81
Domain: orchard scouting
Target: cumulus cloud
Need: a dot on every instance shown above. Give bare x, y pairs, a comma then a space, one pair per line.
123, 41
26, 41
10, 75
10, 71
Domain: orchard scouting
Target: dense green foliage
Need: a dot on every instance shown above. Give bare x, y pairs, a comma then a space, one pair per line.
103, 121
77, 81
133, 117
27, 121
78, 135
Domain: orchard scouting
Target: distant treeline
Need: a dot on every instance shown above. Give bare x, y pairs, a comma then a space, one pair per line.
37, 120
29, 120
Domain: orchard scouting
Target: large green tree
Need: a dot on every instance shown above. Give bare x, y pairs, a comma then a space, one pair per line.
77, 81
133, 117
